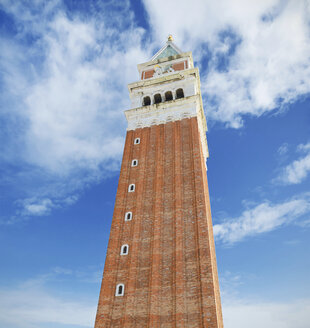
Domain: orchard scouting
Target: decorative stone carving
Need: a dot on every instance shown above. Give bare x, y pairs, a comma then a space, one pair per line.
162, 70
158, 71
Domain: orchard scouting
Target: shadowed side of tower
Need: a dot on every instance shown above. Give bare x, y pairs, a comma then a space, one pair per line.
160, 268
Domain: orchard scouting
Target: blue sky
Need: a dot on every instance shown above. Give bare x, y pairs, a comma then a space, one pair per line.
65, 66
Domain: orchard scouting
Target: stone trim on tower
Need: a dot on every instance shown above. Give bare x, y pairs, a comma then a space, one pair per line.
168, 111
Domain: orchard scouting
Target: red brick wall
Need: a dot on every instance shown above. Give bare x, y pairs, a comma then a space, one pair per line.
170, 273
179, 66
147, 74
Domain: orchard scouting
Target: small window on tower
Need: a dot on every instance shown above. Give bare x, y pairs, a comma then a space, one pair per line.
128, 216
157, 98
124, 249
137, 141
146, 101
120, 289
168, 96
131, 187
134, 162
179, 94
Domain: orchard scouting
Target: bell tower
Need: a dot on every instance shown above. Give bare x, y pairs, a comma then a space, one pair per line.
160, 268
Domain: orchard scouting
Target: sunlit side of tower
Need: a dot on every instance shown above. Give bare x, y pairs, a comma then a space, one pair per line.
160, 269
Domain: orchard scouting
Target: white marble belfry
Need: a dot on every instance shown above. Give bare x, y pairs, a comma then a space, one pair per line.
167, 79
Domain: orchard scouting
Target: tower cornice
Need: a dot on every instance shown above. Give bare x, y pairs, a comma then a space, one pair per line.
170, 111
169, 77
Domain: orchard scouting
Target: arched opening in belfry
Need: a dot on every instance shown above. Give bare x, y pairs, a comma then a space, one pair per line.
168, 96
146, 101
157, 98
179, 93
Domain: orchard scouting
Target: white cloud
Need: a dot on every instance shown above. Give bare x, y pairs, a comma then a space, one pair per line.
30, 307
37, 207
74, 100
260, 219
298, 170
240, 310
51, 298
63, 96
256, 314
304, 147
283, 149
33, 305
65, 79
243, 311
265, 45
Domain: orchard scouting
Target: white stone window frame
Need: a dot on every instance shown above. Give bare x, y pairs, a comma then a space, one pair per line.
130, 216
122, 249
130, 189
172, 92
189, 85
117, 293
163, 94
158, 93
142, 99
175, 92
137, 141
134, 162
153, 95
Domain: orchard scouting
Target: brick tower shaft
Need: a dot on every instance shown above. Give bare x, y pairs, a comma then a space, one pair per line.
160, 268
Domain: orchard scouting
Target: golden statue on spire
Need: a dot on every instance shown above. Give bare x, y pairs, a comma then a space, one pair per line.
170, 37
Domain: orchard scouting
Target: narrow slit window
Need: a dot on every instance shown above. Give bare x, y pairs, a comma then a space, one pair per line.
137, 141
146, 101
120, 289
179, 93
168, 96
131, 187
157, 98
134, 162
124, 249
128, 216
